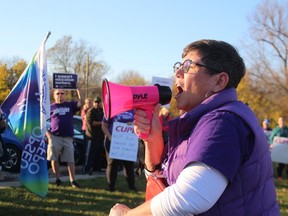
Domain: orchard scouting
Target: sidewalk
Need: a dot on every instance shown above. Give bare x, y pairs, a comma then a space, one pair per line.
9, 179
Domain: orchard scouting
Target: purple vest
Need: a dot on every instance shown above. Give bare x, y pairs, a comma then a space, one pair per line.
225, 134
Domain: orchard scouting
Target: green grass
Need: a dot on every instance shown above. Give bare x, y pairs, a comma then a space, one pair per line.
90, 199
282, 198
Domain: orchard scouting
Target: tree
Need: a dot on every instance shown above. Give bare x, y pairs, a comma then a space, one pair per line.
259, 103
67, 56
267, 51
15, 72
132, 78
4, 90
10, 71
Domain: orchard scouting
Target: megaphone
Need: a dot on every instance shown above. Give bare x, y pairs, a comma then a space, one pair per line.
118, 98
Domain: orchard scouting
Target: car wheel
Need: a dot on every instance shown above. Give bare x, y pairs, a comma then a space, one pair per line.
14, 159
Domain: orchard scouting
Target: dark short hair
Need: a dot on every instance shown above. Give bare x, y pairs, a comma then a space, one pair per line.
220, 56
97, 100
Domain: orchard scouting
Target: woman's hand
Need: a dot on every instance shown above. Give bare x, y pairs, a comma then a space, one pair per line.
154, 144
142, 123
119, 210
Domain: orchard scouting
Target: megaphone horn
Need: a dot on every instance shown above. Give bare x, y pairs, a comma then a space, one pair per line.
119, 98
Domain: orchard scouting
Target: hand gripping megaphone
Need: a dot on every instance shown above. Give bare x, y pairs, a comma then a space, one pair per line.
119, 98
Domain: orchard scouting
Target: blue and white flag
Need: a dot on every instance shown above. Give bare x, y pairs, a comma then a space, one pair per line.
27, 109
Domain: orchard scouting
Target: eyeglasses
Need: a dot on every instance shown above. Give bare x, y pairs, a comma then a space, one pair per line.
59, 93
187, 64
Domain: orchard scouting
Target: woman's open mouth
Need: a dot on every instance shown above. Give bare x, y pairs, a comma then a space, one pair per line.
180, 90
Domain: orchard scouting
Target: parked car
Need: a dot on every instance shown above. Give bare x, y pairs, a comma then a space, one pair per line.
14, 147
79, 143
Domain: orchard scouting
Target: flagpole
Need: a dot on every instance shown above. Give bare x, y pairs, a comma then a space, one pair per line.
48, 35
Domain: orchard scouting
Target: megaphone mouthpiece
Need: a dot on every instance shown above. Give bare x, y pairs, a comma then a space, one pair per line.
165, 94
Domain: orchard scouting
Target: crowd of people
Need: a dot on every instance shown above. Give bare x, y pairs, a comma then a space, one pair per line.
97, 133
281, 130
211, 158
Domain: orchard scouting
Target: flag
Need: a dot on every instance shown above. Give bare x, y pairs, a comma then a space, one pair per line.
27, 109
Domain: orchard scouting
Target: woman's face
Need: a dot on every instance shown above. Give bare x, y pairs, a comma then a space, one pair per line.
88, 103
281, 122
193, 86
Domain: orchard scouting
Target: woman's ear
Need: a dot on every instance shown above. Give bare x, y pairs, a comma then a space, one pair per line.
221, 81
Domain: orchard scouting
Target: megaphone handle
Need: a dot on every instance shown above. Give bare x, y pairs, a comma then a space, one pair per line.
149, 115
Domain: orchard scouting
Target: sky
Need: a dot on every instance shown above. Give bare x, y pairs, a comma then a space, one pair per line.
145, 36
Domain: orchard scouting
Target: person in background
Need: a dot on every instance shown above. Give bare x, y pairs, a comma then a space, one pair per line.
95, 137
266, 128
215, 162
60, 134
114, 164
87, 105
164, 116
282, 131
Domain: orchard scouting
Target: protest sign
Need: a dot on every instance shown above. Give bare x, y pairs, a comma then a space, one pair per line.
64, 81
124, 142
279, 150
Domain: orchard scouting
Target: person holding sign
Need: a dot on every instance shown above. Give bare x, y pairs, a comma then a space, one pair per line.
112, 163
266, 128
215, 162
60, 134
281, 131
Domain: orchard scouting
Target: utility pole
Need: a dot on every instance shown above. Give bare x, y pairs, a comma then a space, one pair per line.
87, 75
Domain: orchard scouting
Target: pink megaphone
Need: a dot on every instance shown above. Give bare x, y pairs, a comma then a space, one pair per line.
119, 98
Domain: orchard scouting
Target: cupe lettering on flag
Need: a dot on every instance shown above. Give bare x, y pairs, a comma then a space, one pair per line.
27, 109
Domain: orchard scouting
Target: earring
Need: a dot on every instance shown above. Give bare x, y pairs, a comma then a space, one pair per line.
209, 93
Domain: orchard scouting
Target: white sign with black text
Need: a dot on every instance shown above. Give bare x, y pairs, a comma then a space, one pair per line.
64, 81
279, 150
124, 142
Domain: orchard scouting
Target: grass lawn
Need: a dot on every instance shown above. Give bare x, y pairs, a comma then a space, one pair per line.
281, 187
90, 199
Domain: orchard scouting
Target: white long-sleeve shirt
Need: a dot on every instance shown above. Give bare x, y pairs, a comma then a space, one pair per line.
196, 190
